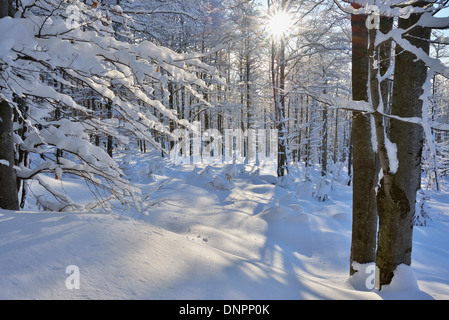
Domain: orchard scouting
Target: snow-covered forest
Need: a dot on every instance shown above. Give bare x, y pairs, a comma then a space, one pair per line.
235, 149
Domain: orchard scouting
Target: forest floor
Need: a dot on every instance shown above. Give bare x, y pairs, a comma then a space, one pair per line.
207, 238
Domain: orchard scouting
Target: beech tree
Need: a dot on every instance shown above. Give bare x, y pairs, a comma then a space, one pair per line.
402, 176
364, 177
400, 129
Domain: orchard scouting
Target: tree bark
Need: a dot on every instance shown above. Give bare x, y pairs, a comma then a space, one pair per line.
397, 194
277, 67
325, 142
364, 225
109, 146
280, 109
8, 181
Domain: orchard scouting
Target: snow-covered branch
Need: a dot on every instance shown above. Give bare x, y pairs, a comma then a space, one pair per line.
75, 46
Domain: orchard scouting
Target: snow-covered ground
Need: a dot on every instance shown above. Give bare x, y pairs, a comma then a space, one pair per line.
209, 238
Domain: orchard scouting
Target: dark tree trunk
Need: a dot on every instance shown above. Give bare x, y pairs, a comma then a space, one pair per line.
324, 143
8, 181
397, 194
280, 104
364, 225
109, 146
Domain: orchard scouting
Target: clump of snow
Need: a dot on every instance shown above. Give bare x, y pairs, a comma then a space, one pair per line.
117, 9
422, 209
219, 183
230, 172
364, 277
392, 151
404, 283
323, 189
17, 35
156, 167
404, 279
304, 190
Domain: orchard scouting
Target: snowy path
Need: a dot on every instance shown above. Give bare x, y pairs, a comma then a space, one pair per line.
256, 241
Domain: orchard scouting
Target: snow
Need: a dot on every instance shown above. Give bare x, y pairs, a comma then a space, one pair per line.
252, 240
16, 33
392, 151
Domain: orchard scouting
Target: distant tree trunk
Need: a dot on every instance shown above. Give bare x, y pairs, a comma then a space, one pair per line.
8, 180
336, 158
280, 104
364, 225
4, 8
171, 104
324, 144
277, 67
307, 136
397, 193
22, 155
350, 155
109, 147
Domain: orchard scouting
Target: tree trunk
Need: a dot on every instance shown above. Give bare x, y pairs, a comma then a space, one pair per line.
109, 146
277, 67
324, 143
397, 194
364, 225
350, 155
8, 180
336, 158
280, 104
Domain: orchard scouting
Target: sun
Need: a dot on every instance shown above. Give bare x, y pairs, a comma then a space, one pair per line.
279, 24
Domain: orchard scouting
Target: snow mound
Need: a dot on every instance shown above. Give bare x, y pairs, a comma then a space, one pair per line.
230, 172
292, 213
404, 283
363, 278
304, 190
275, 213
218, 183
342, 216
404, 279
323, 189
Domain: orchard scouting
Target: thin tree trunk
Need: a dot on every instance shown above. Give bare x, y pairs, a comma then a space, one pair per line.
335, 156
4, 8
280, 102
109, 147
307, 136
324, 144
277, 67
350, 155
